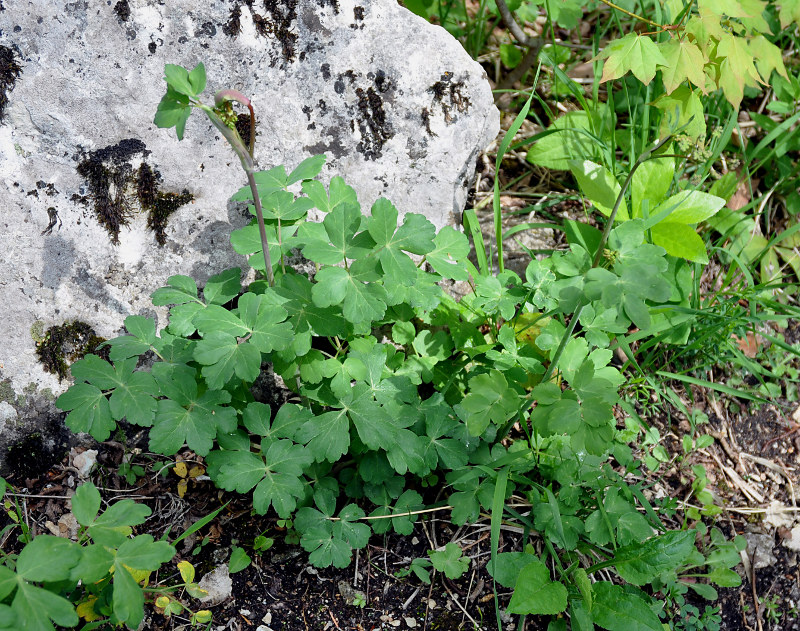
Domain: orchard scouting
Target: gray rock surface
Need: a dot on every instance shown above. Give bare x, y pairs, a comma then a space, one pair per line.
395, 103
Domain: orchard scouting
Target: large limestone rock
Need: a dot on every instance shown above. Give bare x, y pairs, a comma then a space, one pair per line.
395, 103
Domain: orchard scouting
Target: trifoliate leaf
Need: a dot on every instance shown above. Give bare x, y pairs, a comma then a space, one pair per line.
340, 194
196, 425
222, 355
450, 561
326, 435
362, 300
334, 240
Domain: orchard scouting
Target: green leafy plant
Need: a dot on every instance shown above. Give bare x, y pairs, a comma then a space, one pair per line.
102, 572
394, 381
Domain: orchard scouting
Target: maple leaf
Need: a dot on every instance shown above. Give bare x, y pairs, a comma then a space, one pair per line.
737, 69
685, 61
632, 53
768, 57
789, 13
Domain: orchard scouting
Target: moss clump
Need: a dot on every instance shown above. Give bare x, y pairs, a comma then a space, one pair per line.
159, 206
107, 173
10, 71
67, 343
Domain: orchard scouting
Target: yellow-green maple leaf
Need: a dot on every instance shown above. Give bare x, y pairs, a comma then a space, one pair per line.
789, 13
684, 61
635, 53
768, 57
737, 69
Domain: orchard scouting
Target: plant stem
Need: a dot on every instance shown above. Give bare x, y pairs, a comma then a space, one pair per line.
261, 230
636, 17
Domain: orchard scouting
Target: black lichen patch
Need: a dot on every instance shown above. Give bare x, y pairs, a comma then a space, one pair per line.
334, 4
450, 94
276, 20
62, 345
372, 123
115, 188
234, 24
358, 18
10, 71
426, 120
159, 205
123, 10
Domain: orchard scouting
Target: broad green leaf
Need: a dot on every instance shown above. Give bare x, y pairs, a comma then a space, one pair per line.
600, 186
223, 287
195, 426
362, 300
282, 485
738, 69
450, 250
177, 77
651, 183
113, 526
133, 399
391, 243
180, 289
48, 558
635, 53
682, 107
571, 139
88, 411
222, 355
86, 503
640, 563
128, 598
96, 371
680, 240
689, 207
173, 111
216, 318
238, 561
339, 194
684, 61
8, 581
265, 322
536, 593
307, 169
143, 553
239, 471
789, 12
508, 566
95, 564
35, 607
197, 79
326, 435
267, 182
333, 241
618, 609
490, 399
